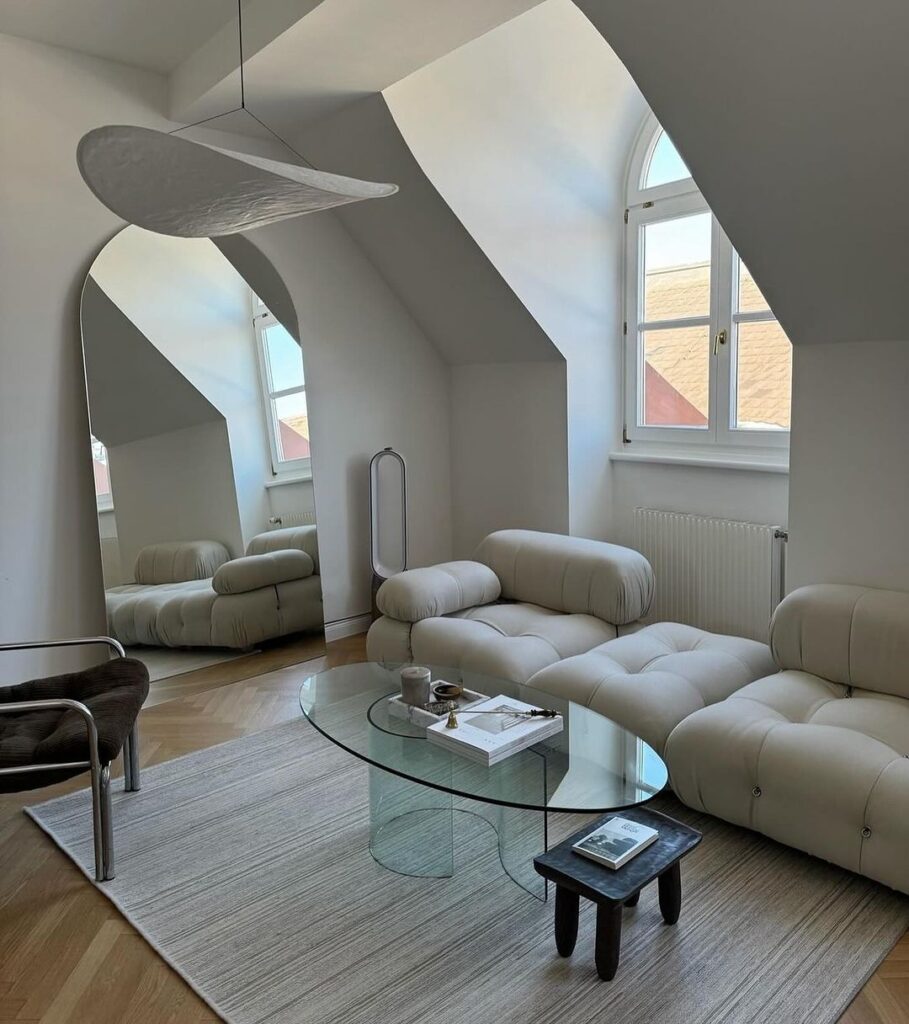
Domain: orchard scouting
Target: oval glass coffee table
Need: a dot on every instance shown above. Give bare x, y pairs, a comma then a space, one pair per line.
592, 766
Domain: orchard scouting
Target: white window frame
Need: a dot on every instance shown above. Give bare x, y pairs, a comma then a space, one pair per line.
668, 202
263, 318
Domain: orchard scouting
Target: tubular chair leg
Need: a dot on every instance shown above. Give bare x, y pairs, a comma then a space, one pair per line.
107, 827
97, 824
131, 760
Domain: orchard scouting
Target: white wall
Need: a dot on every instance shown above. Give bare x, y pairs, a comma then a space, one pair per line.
188, 300
50, 580
373, 379
526, 134
175, 486
509, 443
849, 496
292, 497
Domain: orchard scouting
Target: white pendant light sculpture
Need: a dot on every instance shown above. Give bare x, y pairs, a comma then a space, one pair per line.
178, 187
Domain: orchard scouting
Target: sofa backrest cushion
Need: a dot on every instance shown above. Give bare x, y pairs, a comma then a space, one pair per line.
178, 561
857, 636
300, 538
570, 574
267, 570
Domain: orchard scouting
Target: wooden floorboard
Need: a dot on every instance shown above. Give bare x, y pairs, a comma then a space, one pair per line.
68, 957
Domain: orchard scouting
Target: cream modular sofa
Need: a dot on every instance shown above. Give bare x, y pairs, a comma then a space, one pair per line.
817, 755
191, 594
526, 600
563, 615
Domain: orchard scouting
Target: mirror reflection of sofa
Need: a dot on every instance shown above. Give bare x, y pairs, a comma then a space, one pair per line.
192, 594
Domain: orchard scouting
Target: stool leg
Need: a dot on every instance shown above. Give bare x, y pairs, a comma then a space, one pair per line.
609, 939
670, 884
567, 905
633, 901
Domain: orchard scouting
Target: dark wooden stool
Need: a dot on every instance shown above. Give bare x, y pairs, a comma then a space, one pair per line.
575, 876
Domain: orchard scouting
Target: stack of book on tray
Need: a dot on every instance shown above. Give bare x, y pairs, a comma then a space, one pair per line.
493, 731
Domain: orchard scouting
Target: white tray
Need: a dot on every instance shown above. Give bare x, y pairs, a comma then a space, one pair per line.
399, 708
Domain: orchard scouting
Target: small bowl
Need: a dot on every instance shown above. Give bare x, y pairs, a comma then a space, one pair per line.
446, 691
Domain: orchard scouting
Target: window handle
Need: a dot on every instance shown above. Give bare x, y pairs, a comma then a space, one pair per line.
718, 339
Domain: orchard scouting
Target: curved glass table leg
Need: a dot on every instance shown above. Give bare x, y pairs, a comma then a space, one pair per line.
410, 826
522, 834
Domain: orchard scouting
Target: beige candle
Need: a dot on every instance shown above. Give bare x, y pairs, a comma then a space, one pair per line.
415, 685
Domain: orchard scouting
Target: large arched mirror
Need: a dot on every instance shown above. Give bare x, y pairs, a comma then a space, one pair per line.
200, 440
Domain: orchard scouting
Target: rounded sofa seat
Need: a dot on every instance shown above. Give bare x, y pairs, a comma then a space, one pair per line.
511, 640
818, 765
193, 614
650, 680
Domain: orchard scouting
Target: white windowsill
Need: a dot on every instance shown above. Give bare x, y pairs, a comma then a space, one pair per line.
755, 462
289, 478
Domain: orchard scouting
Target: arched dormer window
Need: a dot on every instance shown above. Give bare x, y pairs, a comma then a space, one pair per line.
707, 363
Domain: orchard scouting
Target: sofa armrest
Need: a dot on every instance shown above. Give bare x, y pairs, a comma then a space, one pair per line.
252, 572
437, 590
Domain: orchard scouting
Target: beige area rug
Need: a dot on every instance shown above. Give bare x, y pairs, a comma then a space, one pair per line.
247, 867
164, 662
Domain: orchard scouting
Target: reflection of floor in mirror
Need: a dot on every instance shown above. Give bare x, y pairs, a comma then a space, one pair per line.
219, 667
163, 662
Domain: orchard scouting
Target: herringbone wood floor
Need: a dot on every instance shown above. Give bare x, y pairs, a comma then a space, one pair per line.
68, 957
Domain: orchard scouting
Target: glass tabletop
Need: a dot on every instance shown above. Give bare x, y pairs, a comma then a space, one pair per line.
592, 765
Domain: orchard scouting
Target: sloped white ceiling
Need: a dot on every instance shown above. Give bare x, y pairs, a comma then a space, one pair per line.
418, 244
152, 34
792, 118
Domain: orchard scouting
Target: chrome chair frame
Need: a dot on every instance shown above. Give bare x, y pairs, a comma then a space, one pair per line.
102, 820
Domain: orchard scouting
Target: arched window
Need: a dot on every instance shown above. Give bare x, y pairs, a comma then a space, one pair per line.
706, 360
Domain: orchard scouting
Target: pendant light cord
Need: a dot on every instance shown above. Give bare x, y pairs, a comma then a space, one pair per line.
240, 45
243, 105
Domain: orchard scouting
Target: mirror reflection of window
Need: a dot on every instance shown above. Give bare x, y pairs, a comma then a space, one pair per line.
284, 388
103, 494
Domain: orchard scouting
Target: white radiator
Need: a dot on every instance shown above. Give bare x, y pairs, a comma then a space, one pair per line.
718, 574
292, 519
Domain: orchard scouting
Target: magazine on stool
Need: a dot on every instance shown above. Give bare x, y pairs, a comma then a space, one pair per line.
616, 841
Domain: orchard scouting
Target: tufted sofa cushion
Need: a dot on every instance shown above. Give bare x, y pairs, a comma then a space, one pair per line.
511, 641
437, 590
303, 538
114, 693
241, 575
192, 614
858, 636
650, 680
179, 561
570, 574
809, 762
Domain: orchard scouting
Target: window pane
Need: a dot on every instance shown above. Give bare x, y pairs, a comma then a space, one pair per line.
292, 426
677, 268
676, 377
763, 377
750, 297
665, 164
285, 360
102, 473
